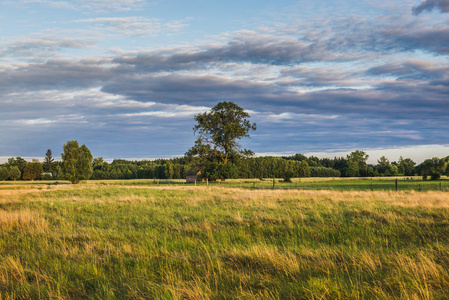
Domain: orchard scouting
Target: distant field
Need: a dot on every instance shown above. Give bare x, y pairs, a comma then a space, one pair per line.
104, 241
334, 183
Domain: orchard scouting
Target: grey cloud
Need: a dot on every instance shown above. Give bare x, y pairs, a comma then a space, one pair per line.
350, 43
109, 133
322, 77
193, 90
429, 5
413, 69
54, 74
361, 38
249, 47
432, 39
400, 99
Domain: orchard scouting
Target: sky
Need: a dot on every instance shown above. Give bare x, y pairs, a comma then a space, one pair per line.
127, 77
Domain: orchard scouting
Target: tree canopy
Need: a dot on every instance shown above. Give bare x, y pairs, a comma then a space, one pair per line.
77, 162
33, 170
220, 131
434, 167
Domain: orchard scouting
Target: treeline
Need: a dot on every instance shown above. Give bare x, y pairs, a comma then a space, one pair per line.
355, 165
176, 168
298, 165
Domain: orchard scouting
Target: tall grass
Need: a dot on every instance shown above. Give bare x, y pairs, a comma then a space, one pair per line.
103, 242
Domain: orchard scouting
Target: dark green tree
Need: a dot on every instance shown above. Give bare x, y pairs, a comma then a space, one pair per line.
17, 162
33, 170
4, 173
406, 166
169, 170
220, 131
48, 161
353, 168
14, 173
77, 162
358, 158
383, 165
434, 168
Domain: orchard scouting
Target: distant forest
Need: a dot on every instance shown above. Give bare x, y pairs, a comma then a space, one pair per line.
298, 165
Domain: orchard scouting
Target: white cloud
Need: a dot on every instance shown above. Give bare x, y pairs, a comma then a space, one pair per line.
170, 111
34, 122
91, 5
135, 26
107, 5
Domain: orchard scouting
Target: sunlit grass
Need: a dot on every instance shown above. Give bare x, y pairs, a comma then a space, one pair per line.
140, 242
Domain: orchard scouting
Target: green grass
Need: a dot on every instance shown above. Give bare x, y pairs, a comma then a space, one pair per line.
93, 241
334, 183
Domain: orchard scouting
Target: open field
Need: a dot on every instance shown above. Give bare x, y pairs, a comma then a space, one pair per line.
104, 241
411, 183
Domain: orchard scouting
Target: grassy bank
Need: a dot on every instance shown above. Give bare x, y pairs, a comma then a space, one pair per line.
104, 242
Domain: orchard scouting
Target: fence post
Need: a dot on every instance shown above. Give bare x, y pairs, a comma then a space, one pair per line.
396, 184
440, 187
207, 181
195, 182
158, 182
274, 182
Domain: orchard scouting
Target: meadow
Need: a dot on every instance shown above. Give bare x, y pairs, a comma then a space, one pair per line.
138, 240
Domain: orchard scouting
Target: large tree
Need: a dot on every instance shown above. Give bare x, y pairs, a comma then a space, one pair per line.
220, 131
77, 162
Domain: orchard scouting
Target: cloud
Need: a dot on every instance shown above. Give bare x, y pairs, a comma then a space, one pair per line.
244, 46
51, 3
41, 48
358, 86
412, 69
136, 26
107, 5
429, 5
90, 5
54, 74
108, 124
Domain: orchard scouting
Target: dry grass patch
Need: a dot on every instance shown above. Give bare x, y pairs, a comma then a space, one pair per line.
22, 220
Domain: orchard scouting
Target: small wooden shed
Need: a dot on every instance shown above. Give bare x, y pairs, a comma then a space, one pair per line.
193, 175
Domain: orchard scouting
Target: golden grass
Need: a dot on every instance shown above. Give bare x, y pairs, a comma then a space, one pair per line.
22, 220
238, 236
431, 199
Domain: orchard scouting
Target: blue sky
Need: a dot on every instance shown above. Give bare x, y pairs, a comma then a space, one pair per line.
126, 77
